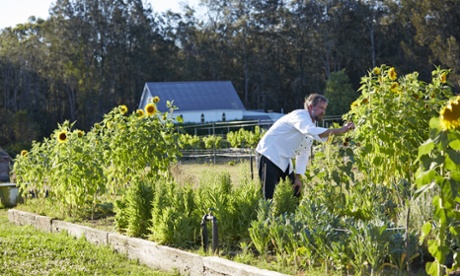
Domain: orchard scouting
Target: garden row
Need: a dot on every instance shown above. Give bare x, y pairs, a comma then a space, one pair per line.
379, 200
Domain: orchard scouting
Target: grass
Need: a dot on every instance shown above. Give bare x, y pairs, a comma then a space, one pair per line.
190, 171
27, 251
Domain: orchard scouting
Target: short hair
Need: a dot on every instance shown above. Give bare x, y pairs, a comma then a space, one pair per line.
314, 99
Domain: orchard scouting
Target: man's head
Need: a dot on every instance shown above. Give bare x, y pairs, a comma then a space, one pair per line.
316, 105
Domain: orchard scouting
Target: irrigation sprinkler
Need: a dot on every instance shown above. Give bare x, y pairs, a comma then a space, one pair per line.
204, 232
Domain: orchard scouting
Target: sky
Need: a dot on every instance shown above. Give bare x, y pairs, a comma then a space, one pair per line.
13, 12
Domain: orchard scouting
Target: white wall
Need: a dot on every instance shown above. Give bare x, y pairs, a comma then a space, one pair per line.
209, 115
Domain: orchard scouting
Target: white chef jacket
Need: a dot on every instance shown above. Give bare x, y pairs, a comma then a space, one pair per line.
291, 136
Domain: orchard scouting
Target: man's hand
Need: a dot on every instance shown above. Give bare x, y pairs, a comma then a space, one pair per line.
297, 187
348, 126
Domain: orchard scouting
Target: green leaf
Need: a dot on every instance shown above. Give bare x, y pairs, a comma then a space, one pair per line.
452, 165
455, 230
454, 155
438, 250
449, 191
434, 123
336, 177
455, 175
319, 154
444, 140
424, 162
432, 268
425, 177
455, 145
426, 229
440, 211
425, 148
377, 161
425, 188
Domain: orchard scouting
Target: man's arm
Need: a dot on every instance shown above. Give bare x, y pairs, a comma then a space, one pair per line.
333, 131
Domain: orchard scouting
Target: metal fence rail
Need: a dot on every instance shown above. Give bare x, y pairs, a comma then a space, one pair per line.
225, 127
228, 152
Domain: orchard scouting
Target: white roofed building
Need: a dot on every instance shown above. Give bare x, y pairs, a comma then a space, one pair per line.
197, 101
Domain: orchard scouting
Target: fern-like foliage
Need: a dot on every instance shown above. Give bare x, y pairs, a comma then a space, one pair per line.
284, 200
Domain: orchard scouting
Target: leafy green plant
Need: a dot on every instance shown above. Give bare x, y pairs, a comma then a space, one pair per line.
341, 255
188, 141
31, 169
439, 166
370, 246
67, 165
259, 229
402, 252
282, 235
138, 204
244, 201
245, 138
392, 116
234, 139
175, 218
77, 167
234, 206
121, 217
215, 193
144, 143
284, 201
212, 142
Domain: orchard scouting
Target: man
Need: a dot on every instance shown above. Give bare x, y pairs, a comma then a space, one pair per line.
292, 136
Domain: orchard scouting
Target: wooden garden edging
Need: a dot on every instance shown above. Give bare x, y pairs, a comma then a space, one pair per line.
147, 252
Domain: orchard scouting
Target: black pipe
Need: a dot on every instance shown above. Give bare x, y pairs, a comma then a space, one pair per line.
204, 233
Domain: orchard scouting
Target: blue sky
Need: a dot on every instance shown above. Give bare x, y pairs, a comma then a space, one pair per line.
13, 12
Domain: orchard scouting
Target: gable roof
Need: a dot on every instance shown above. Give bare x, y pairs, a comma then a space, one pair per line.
4, 155
191, 96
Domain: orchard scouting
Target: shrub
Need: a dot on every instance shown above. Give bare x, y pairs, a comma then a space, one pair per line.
175, 218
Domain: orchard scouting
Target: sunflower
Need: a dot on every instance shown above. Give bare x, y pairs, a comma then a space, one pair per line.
140, 113
450, 114
354, 104
123, 109
392, 74
62, 136
395, 87
80, 133
156, 99
24, 152
376, 71
443, 78
150, 109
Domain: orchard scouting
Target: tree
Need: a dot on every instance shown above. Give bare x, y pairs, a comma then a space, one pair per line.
437, 25
339, 93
